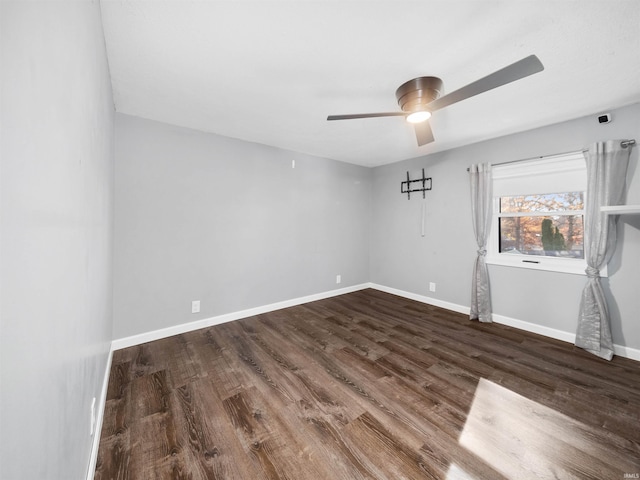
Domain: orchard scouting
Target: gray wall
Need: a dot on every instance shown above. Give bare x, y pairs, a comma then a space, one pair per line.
56, 207
402, 259
230, 223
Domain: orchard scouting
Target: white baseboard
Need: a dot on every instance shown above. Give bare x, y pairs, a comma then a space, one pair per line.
622, 351
422, 298
534, 328
627, 352
228, 317
95, 441
569, 337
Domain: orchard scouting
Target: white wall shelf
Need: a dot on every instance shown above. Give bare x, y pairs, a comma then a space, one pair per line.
621, 209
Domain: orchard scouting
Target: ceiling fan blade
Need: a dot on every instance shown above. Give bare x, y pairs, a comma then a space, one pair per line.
424, 134
367, 115
516, 71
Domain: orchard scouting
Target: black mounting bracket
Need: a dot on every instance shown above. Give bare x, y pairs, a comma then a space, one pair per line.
408, 188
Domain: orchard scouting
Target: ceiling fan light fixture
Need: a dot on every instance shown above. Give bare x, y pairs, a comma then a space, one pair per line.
419, 116
420, 96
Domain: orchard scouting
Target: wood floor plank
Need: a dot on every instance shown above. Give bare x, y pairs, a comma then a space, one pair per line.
367, 385
393, 458
150, 394
342, 329
155, 450
220, 363
215, 451
278, 441
113, 458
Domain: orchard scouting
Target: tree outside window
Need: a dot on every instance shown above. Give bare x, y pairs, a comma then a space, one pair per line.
542, 224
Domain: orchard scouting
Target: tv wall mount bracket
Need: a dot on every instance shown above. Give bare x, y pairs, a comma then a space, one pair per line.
417, 185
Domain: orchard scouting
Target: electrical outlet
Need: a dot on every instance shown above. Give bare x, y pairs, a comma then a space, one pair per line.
195, 306
92, 425
338, 278
432, 287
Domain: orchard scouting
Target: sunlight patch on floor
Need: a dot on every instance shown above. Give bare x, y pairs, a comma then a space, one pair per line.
457, 473
521, 438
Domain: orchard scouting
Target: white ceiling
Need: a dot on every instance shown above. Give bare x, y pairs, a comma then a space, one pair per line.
271, 71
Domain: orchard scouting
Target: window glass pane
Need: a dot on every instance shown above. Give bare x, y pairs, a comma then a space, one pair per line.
549, 202
557, 235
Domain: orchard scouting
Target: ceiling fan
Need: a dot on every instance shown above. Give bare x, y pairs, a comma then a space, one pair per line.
420, 97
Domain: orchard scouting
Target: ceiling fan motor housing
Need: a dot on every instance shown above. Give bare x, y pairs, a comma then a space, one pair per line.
415, 94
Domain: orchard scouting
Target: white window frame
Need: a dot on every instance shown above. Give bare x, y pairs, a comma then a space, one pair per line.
553, 174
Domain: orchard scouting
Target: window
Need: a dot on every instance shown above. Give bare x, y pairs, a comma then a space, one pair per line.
538, 214
548, 224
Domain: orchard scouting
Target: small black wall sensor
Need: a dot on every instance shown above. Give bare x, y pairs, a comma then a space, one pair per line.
604, 118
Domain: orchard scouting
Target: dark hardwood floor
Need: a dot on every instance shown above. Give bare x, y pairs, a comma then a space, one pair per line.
368, 385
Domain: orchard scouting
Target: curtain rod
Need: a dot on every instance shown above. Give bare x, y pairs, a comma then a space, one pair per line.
623, 144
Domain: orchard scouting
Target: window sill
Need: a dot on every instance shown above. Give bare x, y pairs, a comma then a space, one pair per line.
574, 267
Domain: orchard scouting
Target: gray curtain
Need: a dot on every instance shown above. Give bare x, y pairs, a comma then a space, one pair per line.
606, 173
480, 177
